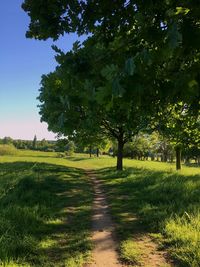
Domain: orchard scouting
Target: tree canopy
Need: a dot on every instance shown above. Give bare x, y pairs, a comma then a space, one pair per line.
84, 95
165, 32
140, 58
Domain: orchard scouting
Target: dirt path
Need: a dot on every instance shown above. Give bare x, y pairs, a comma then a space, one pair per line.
105, 247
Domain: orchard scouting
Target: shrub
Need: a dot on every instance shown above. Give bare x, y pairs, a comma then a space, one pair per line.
7, 150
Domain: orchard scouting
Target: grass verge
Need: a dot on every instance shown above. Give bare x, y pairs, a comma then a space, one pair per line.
163, 204
45, 215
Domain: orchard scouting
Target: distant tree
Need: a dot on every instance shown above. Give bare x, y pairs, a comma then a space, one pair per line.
181, 125
61, 144
7, 140
70, 148
192, 152
34, 144
43, 145
138, 147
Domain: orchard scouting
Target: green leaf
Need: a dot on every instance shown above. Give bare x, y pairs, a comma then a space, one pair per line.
61, 120
182, 10
130, 66
117, 89
65, 101
174, 36
109, 72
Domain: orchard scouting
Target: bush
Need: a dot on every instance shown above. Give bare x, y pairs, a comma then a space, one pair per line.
7, 150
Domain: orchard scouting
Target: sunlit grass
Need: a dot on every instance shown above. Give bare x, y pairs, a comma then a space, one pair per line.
38, 189
130, 251
156, 199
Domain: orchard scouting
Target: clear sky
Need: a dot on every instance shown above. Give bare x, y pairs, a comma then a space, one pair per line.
22, 62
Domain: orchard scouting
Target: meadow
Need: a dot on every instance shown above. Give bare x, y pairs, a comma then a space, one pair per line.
46, 207
45, 212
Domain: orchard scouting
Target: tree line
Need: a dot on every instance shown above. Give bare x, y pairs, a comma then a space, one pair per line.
43, 145
143, 146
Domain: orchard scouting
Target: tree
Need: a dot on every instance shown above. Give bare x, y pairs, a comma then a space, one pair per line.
166, 33
34, 144
7, 140
138, 147
85, 95
90, 140
70, 148
181, 125
142, 54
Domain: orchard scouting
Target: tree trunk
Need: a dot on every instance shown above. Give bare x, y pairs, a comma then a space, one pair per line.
120, 153
178, 158
97, 152
164, 157
90, 151
187, 160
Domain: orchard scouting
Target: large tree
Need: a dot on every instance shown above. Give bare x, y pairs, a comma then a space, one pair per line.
166, 33
142, 54
87, 95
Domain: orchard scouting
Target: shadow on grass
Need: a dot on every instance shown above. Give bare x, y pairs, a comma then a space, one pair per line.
77, 158
194, 165
45, 214
142, 200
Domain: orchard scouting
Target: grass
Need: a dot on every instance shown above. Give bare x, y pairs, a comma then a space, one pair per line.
130, 251
7, 150
45, 215
45, 207
149, 200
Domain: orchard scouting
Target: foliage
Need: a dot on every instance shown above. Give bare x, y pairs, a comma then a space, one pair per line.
140, 58
161, 39
7, 150
34, 145
42, 145
180, 125
91, 102
6, 140
70, 148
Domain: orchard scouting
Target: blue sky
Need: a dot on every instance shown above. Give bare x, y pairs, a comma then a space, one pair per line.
22, 62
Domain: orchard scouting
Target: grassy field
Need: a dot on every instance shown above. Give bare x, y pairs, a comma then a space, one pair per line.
45, 208
45, 212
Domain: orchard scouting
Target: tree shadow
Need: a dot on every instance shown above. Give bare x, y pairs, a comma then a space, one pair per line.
45, 213
142, 200
77, 158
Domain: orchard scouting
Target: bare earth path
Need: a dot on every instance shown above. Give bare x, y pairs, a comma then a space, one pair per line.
105, 247
104, 253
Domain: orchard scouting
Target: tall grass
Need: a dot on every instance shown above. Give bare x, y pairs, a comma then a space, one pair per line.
8, 150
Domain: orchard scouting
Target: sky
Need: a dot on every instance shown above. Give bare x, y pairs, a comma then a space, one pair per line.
22, 62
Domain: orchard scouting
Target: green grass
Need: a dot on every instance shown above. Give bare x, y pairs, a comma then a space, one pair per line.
164, 201
45, 215
130, 252
7, 150
45, 207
